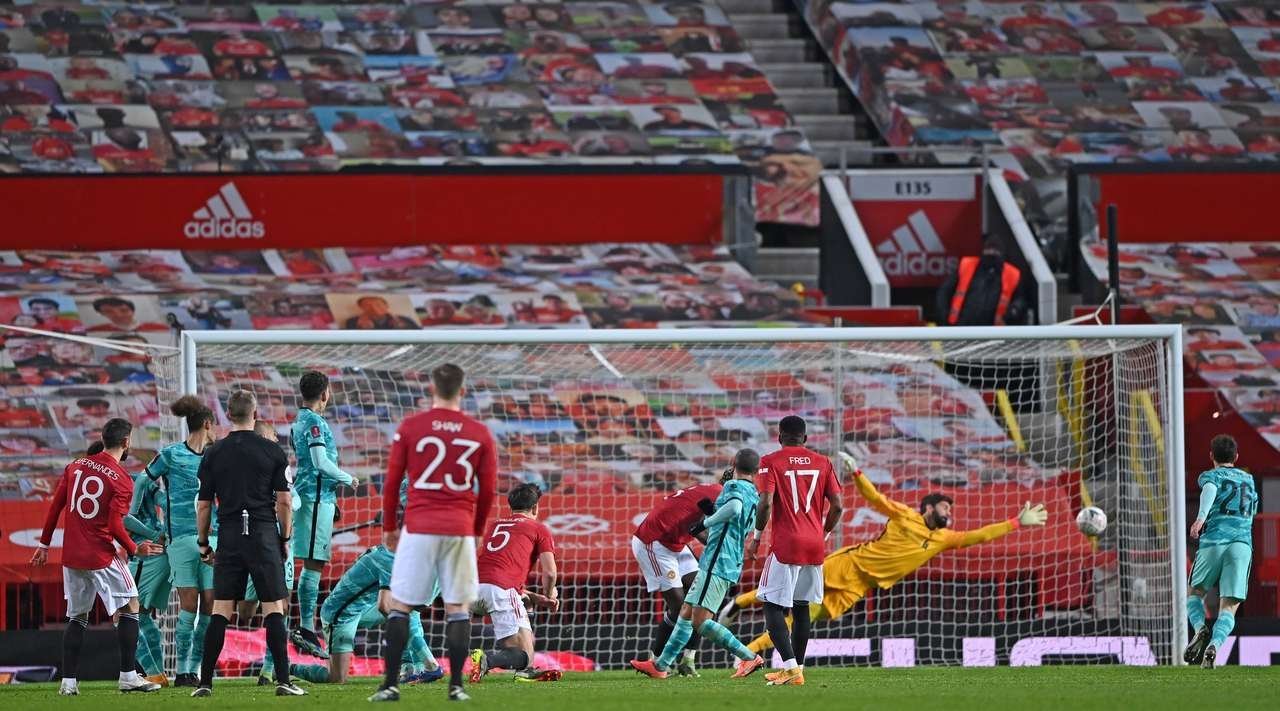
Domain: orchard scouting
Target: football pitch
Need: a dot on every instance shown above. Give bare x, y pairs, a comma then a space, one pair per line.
943, 689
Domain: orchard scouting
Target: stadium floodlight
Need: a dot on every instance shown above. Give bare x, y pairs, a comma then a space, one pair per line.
610, 421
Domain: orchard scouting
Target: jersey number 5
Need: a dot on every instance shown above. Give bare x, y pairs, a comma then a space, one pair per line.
498, 531
464, 460
795, 488
81, 495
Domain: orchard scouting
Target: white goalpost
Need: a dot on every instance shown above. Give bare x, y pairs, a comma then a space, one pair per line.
608, 422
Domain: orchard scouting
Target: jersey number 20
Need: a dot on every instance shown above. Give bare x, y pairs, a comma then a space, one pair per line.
464, 460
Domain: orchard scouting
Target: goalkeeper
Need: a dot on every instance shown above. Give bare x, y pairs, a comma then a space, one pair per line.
910, 539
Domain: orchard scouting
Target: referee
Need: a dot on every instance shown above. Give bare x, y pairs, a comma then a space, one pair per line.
246, 474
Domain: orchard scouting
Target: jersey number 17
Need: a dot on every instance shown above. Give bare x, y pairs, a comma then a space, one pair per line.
793, 475
424, 481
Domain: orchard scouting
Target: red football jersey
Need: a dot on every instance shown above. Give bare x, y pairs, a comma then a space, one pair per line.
511, 549
446, 454
799, 479
95, 493
669, 521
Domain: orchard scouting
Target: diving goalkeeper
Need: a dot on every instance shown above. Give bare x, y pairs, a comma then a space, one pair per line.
910, 539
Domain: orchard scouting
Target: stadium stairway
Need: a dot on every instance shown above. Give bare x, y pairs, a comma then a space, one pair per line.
778, 39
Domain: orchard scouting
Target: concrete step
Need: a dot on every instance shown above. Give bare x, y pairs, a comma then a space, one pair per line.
829, 152
825, 100
797, 74
768, 51
828, 127
738, 7
753, 26
788, 265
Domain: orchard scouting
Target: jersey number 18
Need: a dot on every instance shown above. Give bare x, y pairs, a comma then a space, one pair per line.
424, 481
82, 497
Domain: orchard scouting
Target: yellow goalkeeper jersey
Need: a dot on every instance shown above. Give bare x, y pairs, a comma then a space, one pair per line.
904, 545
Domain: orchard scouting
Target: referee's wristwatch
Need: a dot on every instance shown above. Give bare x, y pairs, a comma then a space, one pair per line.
203, 544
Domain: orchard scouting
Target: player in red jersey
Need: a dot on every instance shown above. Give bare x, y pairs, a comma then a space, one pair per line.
454, 462
95, 493
511, 549
793, 483
661, 547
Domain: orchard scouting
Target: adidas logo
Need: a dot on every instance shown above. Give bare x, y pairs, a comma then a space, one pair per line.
914, 249
224, 215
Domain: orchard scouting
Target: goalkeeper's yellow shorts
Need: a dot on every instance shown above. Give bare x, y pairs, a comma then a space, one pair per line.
838, 601
845, 586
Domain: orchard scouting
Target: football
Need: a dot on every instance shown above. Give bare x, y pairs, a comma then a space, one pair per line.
1092, 521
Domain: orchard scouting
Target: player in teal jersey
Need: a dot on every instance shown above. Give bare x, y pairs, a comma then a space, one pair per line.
317, 481
720, 567
150, 573
175, 471
1224, 527
354, 603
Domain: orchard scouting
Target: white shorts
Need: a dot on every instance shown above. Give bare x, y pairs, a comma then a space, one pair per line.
424, 560
505, 607
663, 568
113, 585
784, 583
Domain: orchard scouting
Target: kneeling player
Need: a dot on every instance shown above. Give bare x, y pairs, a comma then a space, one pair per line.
721, 565
909, 540
661, 547
513, 545
354, 603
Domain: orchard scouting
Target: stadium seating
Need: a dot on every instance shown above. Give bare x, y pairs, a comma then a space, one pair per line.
1056, 83
242, 87
1228, 295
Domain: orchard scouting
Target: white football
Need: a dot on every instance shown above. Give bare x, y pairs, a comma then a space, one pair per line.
1092, 521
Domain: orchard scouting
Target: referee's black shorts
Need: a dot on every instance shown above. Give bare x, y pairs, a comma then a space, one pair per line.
257, 556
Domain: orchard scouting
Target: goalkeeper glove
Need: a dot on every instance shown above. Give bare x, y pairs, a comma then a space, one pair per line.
706, 506
1032, 515
850, 464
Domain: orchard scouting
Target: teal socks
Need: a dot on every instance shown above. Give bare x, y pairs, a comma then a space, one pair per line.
675, 643
308, 592
150, 646
1195, 612
720, 635
1226, 622
182, 638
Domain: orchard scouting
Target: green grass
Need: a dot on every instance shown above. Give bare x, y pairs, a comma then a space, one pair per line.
944, 689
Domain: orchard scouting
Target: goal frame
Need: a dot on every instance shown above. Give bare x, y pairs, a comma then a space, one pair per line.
1171, 334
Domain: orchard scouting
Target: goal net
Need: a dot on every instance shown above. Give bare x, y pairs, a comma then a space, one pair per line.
609, 423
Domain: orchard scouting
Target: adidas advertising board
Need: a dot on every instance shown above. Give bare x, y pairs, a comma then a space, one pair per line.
224, 216
317, 210
920, 223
